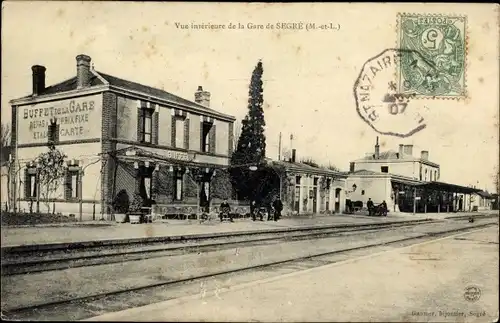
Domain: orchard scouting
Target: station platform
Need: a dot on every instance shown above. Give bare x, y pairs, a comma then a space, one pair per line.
102, 230
452, 279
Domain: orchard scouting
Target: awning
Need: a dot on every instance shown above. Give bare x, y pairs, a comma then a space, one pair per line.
440, 186
406, 182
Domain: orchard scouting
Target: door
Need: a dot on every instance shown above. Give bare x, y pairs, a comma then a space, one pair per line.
337, 200
205, 196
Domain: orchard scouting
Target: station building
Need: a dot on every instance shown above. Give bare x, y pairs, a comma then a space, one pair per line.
406, 182
306, 189
119, 135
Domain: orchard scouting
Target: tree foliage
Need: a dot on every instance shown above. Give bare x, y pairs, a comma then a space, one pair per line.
251, 145
51, 173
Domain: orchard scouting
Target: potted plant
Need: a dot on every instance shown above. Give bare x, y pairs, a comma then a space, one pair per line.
121, 206
135, 210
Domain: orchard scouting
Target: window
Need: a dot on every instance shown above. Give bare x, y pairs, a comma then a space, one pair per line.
205, 136
72, 187
178, 186
315, 181
179, 132
362, 192
31, 183
297, 180
384, 169
146, 125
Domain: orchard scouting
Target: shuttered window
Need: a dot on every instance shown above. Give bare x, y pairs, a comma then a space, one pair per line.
71, 190
30, 183
145, 125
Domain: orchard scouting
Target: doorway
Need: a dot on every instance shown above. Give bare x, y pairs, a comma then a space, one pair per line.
337, 200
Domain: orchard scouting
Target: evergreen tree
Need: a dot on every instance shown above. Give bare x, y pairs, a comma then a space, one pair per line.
251, 146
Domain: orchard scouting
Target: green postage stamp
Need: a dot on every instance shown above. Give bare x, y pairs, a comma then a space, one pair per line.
433, 55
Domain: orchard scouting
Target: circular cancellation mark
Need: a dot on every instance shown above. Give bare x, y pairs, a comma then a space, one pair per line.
472, 293
378, 102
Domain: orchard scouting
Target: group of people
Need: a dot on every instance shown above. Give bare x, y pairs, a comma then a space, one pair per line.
372, 210
255, 210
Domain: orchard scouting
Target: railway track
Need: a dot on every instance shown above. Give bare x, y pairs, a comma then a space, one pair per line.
48, 260
92, 305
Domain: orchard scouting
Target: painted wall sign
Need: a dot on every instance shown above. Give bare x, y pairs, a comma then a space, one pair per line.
78, 118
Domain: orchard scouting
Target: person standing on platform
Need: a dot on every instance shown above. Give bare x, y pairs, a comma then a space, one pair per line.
369, 205
278, 207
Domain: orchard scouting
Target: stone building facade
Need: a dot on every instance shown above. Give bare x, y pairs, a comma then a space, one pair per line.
119, 135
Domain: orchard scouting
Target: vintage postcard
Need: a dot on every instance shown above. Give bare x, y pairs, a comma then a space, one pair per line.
249, 162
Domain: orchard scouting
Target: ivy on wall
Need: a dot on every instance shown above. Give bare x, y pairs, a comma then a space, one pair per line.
163, 187
221, 185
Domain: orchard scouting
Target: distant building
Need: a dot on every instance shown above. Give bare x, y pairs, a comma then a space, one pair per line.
401, 162
482, 201
305, 189
405, 182
124, 136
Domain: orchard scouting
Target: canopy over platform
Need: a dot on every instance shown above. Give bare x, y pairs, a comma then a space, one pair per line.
440, 186
437, 186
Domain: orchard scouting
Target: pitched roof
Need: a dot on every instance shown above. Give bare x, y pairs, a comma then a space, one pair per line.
112, 80
484, 194
390, 154
71, 85
306, 168
65, 86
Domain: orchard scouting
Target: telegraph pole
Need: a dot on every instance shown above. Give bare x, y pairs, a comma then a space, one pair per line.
279, 148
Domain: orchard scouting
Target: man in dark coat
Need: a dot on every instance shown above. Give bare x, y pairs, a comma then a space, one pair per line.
278, 207
254, 209
384, 208
369, 205
225, 208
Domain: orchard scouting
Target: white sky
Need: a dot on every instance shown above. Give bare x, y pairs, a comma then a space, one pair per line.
308, 75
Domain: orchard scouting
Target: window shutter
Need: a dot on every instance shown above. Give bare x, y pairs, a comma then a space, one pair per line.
56, 135
173, 131
186, 133
154, 130
27, 183
67, 185
212, 139
140, 124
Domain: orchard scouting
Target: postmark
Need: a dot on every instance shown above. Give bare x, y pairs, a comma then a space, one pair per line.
378, 101
472, 293
439, 71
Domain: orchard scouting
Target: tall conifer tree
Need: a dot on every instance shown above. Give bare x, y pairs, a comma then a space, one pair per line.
252, 141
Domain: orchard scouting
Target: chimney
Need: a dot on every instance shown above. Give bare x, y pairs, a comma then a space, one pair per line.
293, 155
424, 154
377, 150
38, 79
202, 97
408, 150
83, 71
401, 151
351, 167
